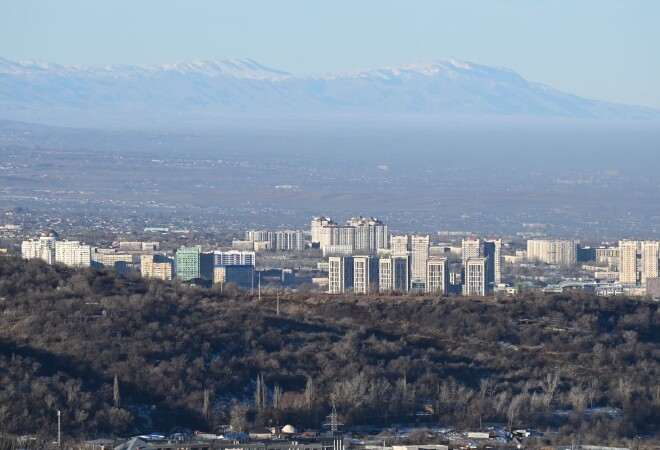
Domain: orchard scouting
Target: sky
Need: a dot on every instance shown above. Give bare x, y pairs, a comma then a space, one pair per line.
603, 49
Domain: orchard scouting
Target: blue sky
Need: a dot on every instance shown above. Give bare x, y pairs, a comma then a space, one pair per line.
603, 49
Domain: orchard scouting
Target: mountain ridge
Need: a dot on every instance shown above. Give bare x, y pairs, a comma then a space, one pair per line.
209, 88
229, 67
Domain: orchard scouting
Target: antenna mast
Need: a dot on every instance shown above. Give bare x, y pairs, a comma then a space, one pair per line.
333, 420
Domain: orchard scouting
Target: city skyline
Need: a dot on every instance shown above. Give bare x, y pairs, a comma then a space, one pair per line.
362, 258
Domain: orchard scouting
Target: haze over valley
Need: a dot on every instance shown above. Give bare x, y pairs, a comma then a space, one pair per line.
564, 178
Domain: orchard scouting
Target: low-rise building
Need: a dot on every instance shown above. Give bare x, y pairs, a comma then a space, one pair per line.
138, 246
119, 261
240, 275
606, 276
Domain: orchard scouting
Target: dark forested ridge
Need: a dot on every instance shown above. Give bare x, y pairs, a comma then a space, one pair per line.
186, 356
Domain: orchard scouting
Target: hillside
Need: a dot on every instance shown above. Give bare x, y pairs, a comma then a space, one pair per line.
211, 91
531, 361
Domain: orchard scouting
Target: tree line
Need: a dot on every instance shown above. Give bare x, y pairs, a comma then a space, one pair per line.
118, 355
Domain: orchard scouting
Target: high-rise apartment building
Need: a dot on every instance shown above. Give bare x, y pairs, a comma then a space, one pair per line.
400, 245
42, 248
281, 240
188, 263
258, 235
609, 256
419, 254
156, 266
338, 240
471, 248
361, 235
628, 262
393, 274
401, 273
371, 234
73, 253
340, 274
437, 276
192, 264
552, 251
234, 258
649, 256
638, 261
289, 240
475, 277
385, 275
365, 274
492, 251
264, 237
316, 228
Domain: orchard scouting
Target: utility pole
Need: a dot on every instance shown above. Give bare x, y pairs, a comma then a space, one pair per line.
259, 287
333, 421
59, 429
278, 302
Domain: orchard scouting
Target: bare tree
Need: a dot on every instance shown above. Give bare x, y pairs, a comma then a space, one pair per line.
309, 393
277, 396
260, 393
206, 407
624, 390
502, 401
238, 417
514, 409
116, 397
351, 393
550, 387
578, 398
485, 392
486, 388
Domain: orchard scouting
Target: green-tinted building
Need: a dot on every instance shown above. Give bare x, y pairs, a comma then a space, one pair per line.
188, 263
192, 264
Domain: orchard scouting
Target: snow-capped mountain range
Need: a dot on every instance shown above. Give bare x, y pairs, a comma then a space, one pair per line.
31, 90
235, 68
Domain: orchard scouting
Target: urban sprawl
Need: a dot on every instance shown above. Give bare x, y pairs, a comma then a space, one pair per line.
362, 257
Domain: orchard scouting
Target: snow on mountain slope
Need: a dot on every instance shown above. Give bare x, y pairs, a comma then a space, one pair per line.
237, 68
36, 90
